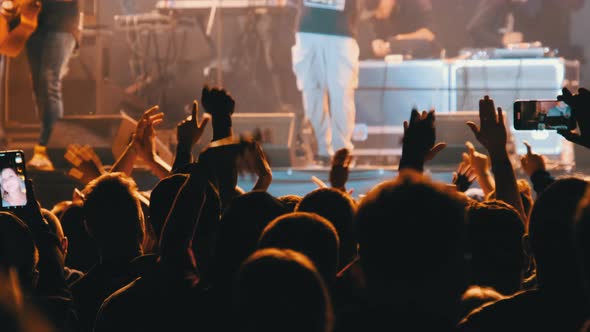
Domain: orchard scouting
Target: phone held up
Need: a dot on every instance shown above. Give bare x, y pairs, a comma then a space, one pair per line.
543, 115
12, 179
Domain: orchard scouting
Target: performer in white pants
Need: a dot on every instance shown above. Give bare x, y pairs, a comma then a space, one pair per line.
325, 62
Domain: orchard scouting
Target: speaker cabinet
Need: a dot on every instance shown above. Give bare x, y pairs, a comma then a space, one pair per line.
107, 134
274, 131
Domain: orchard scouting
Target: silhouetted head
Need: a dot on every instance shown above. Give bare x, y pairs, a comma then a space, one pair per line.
551, 233
55, 227
339, 208
17, 249
411, 244
82, 249
582, 237
290, 201
240, 228
495, 233
307, 233
113, 215
476, 296
280, 290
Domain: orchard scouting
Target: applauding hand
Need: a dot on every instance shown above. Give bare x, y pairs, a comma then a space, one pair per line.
145, 133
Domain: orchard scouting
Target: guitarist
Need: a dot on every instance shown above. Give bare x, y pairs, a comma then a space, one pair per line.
49, 50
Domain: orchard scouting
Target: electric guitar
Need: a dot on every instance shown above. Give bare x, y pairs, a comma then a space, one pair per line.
18, 21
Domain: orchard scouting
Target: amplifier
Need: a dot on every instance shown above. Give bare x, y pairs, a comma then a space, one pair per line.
274, 131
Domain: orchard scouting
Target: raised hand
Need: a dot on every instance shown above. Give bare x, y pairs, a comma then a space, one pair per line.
580, 105
216, 100
190, 130
478, 161
419, 140
254, 161
145, 133
339, 171
492, 130
531, 162
493, 136
464, 176
86, 163
481, 165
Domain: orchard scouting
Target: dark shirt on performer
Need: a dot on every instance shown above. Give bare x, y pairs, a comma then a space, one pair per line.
489, 19
314, 19
408, 16
60, 16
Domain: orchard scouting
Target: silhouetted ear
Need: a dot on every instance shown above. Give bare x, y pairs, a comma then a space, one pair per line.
64, 243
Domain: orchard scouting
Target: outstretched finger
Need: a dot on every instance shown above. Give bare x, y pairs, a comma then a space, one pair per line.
195, 112
500, 116
470, 148
204, 121
487, 111
318, 182
529, 149
435, 150
466, 158
147, 114
474, 128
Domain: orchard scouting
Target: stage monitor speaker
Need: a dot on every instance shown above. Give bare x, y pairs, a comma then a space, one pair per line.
275, 132
451, 128
108, 135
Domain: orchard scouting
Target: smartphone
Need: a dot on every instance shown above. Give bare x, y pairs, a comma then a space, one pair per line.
12, 179
543, 115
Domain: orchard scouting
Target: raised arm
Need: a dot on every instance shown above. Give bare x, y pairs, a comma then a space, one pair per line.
480, 163
534, 166
493, 136
180, 226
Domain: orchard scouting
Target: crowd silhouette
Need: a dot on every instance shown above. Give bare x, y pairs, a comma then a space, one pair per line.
199, 253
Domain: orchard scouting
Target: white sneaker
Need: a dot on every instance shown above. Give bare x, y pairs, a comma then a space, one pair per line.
40, 160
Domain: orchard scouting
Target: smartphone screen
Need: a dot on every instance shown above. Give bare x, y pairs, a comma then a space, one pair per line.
542, 115
12, 179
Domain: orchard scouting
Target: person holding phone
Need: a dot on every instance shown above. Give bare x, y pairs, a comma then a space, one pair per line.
13, 188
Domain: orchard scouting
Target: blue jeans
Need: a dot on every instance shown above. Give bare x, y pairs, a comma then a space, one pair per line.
49, 53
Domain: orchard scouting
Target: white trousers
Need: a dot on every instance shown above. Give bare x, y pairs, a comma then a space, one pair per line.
326, 68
